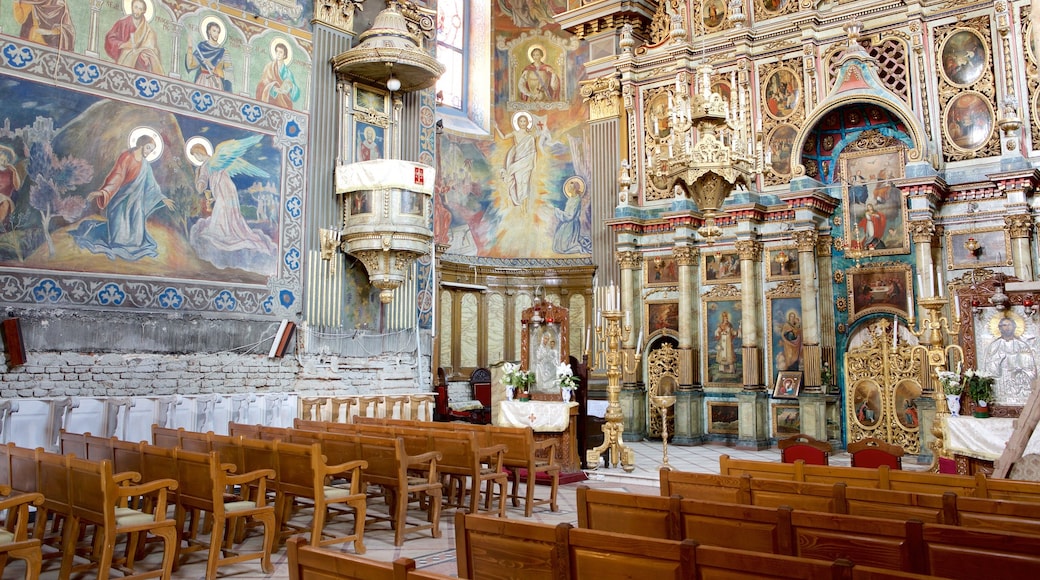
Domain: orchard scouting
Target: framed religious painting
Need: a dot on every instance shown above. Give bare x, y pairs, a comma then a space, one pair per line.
782, 264
713, 13
724, 359
369, 141
904, 397
865, 404
788, 384
981, 248
783, 91
656, 115
781, 142
721, 267
722, 88
1005, 348
370, 99
723, 417
787, 420
661, 271
785, 337
968, 120
874, 211
662, 315
879, 289
963, 57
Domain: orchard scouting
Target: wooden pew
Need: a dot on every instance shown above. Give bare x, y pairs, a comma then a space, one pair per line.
311, 563
648, 516
499, 548
957, 552
595, 554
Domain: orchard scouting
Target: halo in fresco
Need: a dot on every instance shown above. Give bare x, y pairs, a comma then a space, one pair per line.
149, 9
205, 25
131, 140
288, 50
191, 143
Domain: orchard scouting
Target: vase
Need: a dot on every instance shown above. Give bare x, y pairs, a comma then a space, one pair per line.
509, 393
954, 403
566, 394
981, 409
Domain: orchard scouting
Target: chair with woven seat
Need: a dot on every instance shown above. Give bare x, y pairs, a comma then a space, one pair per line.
801, 446
872, 452
14, 532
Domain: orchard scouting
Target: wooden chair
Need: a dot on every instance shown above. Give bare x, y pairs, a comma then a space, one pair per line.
872, 452
421, 406
97, 498
204, 483
14, 532
344, 403
391, 467
312, 407
811, 451
368, 405
398, 403
523, 453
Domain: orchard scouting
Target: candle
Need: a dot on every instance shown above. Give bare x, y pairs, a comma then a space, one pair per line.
957, 306
588, 339
639, 343
909, 305
895, 332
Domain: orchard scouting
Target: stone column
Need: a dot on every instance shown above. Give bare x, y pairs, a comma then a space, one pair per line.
1020, 226
922, 232
753, 414
633, 394
806, 241
750, 253
689, 399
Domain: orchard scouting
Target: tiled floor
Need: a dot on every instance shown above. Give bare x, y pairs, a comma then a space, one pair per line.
438, 555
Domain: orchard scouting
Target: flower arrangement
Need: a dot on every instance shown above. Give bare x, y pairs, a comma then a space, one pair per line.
951, 382
979, 386
826, 376
565, 377
519, 380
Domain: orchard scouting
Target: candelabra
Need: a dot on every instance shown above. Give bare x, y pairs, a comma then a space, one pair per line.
609, 337
663, 403
938, 355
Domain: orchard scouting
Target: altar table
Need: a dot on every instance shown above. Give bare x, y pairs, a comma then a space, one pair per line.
975, 443
546, 419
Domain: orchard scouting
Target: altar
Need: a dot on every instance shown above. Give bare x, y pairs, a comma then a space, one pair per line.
976, 443
546, 419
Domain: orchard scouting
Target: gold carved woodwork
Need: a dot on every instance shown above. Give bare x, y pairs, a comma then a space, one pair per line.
881, 383
805, 240
922, 231
603, 94
971, 103
662, 379
1019, 225
749, 250
686, 255
338, 14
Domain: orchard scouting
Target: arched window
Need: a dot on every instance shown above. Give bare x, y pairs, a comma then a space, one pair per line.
464, 48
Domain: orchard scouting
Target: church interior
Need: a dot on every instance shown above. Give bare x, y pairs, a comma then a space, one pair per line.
697, 223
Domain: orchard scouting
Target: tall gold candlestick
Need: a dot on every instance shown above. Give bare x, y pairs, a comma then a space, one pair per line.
610, 337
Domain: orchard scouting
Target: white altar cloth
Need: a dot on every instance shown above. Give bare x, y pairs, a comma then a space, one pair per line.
541, 416
984, 438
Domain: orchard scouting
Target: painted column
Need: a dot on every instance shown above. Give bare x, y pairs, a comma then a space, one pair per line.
806, 241
750, 253
1020, 226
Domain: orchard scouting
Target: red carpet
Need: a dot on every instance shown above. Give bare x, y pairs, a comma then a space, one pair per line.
543, 479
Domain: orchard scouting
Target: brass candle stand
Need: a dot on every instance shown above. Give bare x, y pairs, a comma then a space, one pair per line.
663, 403
609, 337
932, 336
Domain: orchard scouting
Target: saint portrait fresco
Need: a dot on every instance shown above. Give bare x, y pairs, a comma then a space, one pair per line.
782, 93
781, 142
713, 13
963, 57
969, 120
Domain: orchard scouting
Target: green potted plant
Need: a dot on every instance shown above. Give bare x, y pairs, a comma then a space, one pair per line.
980, 388
518, 382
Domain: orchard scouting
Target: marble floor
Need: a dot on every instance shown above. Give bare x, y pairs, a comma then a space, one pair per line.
438, 555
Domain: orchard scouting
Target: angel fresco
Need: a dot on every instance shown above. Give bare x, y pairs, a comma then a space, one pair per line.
224, 238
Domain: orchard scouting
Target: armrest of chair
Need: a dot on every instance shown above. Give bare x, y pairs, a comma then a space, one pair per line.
352, 469
158, 487
493, 455
548, 444
256, 477
17, 508
427, 461
126, 477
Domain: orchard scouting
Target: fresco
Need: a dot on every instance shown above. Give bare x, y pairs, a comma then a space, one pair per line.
131, 179
210, 48
119, 188
527, 194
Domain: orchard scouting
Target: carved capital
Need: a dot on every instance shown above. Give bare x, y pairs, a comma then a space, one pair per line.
823, 245
805, 240
749, 250
1020, 225
686, 255
922, 231
337, 13
630, 260
603, 95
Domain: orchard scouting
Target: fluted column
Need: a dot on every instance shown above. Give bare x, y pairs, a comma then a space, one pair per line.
633, 395
1020, 226
686, 258
750, 253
